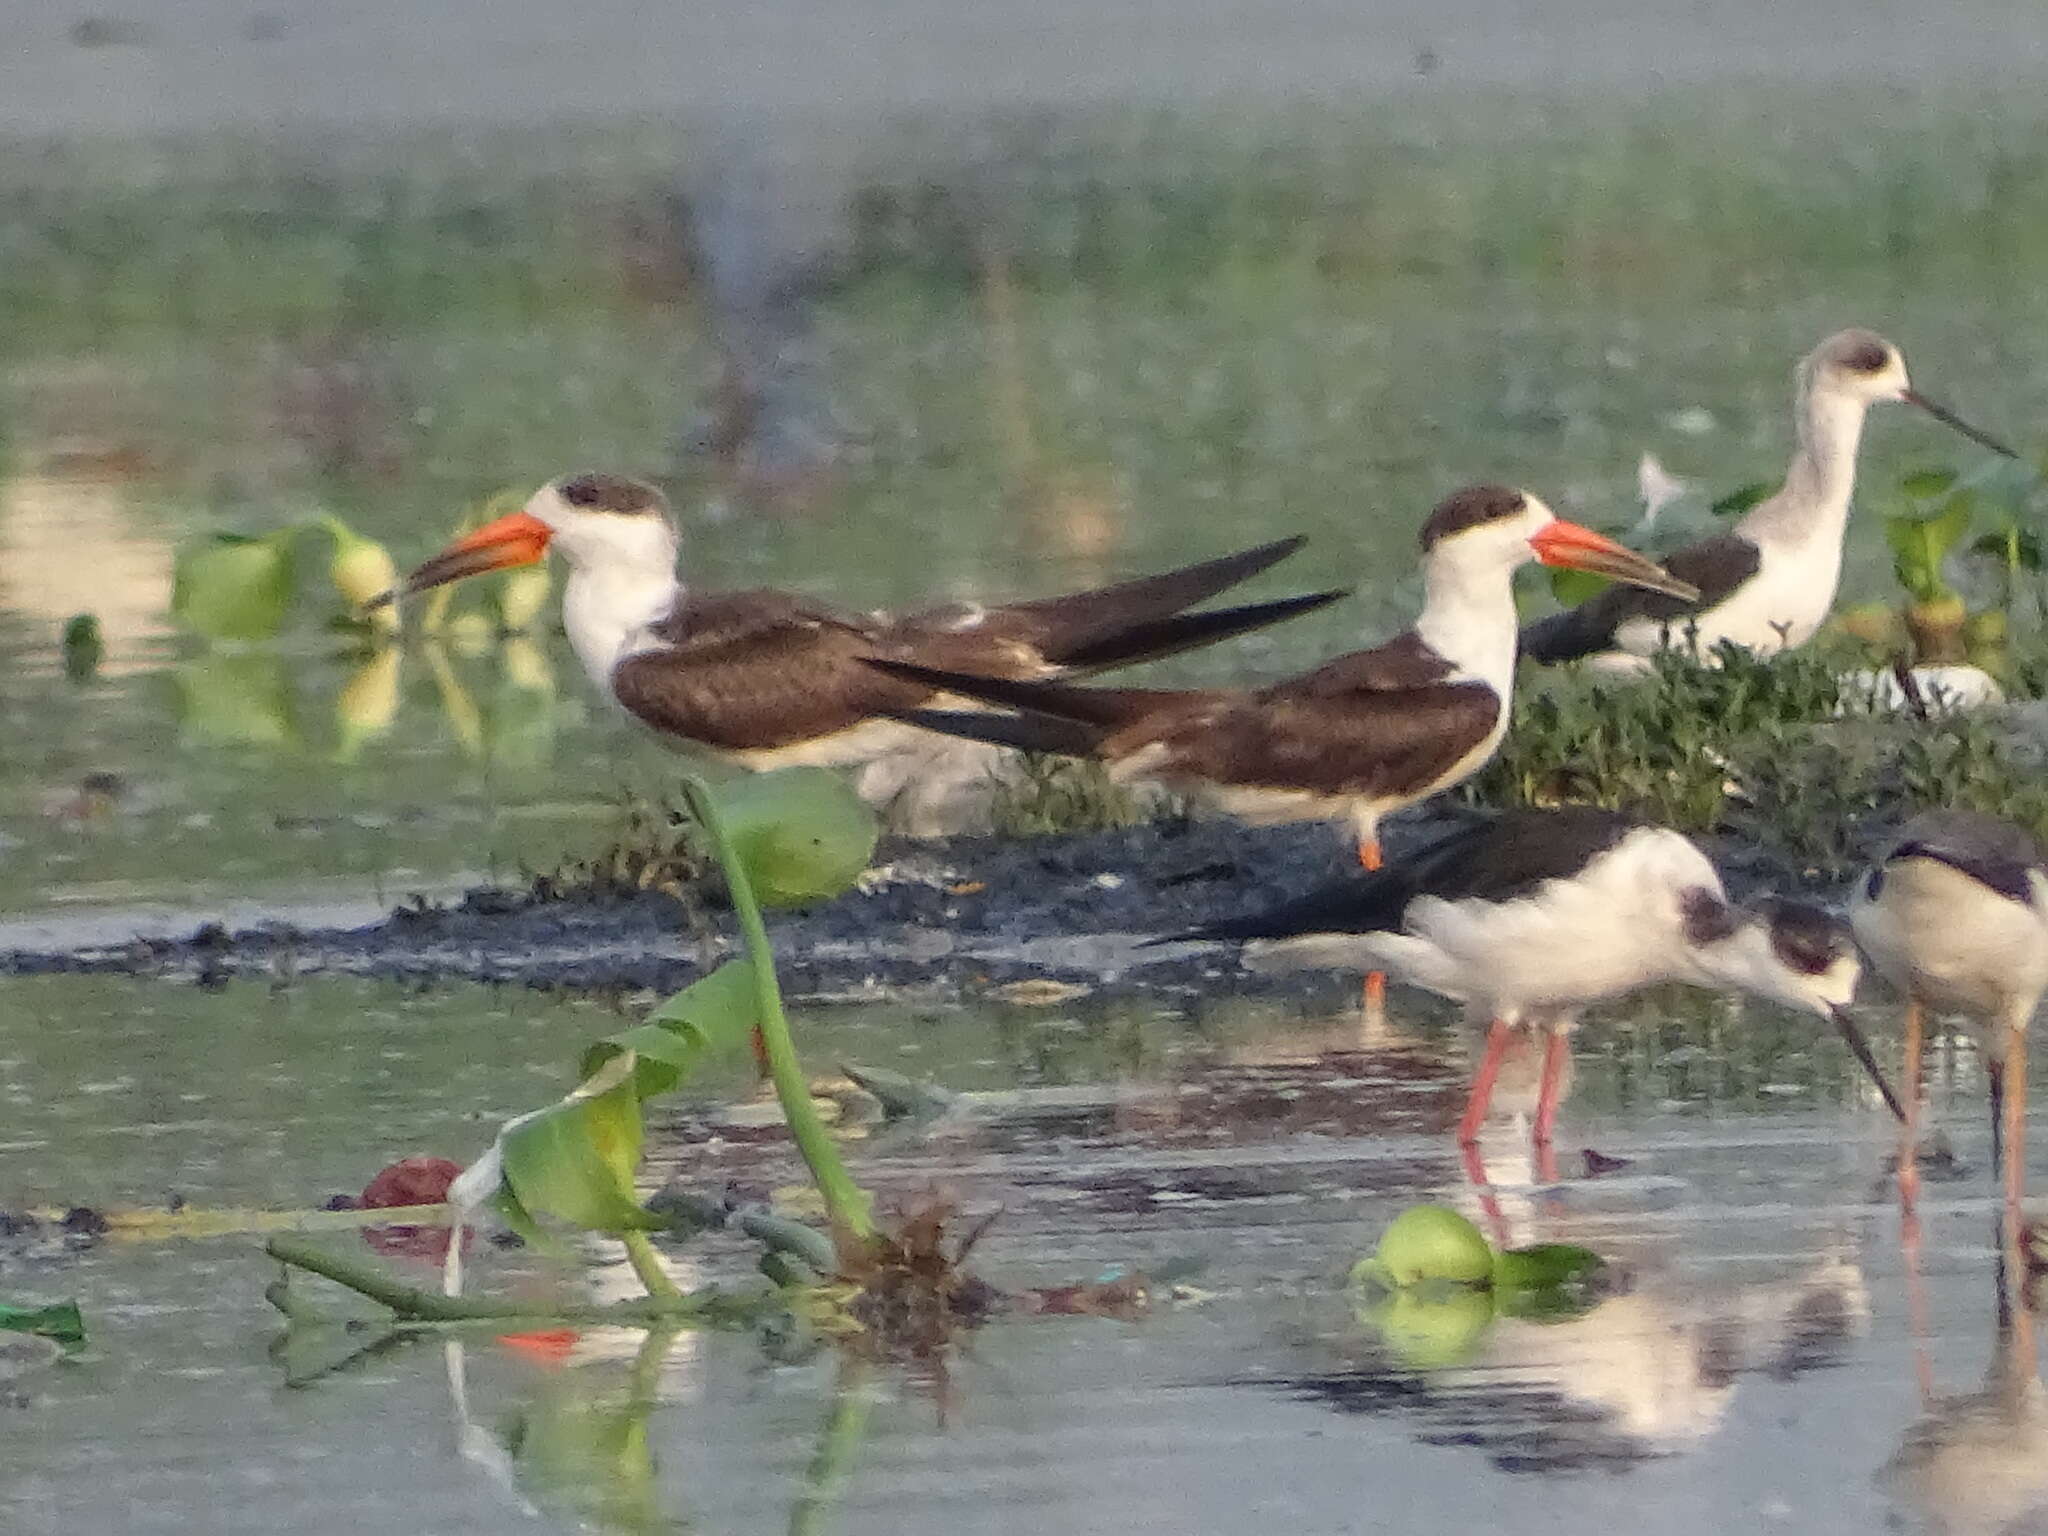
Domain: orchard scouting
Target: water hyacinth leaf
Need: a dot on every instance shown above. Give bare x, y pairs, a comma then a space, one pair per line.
2017, 548
1741, 499
801, 834
574, 1161
1548, 1282
1926, 484
228, 586
235, 699
1572, 588
59, 1321
711, 1016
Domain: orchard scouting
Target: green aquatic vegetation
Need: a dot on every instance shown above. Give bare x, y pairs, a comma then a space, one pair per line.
1670, 745
58, 1321
575, 1162
229, 586
1434, 1285
1042, 794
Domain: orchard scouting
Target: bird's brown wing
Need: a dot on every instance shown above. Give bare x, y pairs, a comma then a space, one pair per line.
752, 671
749, 671
1717, 566
1365, 742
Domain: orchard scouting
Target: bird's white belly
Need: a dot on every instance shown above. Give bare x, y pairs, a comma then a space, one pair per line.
1783, 605
1958, 946
1565, 944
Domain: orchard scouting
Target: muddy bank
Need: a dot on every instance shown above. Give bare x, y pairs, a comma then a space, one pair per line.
971, 915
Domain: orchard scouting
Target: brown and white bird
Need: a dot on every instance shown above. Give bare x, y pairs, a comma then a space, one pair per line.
1768, 582
1955, 916
1358, 737
768, 679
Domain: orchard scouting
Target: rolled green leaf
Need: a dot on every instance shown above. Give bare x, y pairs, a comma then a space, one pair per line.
228, 586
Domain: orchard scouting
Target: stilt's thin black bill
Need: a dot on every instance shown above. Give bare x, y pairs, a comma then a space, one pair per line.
1949, 418
1859, 1046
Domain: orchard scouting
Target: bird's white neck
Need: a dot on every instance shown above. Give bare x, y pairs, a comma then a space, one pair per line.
1468, 615
608, 608
1813, 504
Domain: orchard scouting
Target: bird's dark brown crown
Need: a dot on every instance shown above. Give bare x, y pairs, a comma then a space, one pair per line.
1470, 508
599, 492
1806, 938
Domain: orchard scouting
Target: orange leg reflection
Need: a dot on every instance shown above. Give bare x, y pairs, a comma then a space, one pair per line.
1369, 857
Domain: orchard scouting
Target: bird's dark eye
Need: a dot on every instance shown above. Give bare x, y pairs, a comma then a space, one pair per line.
1867, 357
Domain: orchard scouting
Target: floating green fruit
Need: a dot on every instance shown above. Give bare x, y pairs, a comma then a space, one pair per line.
1433, 1242
362, 569
228, 586
802, 833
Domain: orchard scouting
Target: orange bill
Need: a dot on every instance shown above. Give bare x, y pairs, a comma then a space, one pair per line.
1581, 549
516, 539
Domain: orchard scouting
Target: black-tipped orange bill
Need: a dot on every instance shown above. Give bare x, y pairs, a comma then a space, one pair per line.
1581, 549
1949, 418
517, 539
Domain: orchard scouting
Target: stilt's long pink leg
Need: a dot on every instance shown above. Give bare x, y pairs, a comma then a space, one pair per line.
1481, 1095
2015, 1148
1556, 1050
1909, 1131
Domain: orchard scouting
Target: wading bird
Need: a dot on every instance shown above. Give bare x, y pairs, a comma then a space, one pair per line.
769, 679
1955, 916
1358, 737
1768, 583
1530, 916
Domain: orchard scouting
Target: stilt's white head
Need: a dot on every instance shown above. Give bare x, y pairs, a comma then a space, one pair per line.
1789, 952
1857, 363
1862, 367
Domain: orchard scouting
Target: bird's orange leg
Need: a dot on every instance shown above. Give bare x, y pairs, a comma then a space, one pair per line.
1375, 981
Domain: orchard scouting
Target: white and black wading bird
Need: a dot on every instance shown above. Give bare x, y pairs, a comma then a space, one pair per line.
1530, 916
1955, 916
1353, 740
769, 679
1768, 582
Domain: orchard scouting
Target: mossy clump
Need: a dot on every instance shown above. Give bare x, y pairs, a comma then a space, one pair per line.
1042, 794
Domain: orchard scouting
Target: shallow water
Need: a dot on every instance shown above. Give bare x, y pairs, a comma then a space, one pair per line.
1758, 1371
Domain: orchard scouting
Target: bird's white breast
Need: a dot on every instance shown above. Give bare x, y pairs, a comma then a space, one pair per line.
1957, 944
